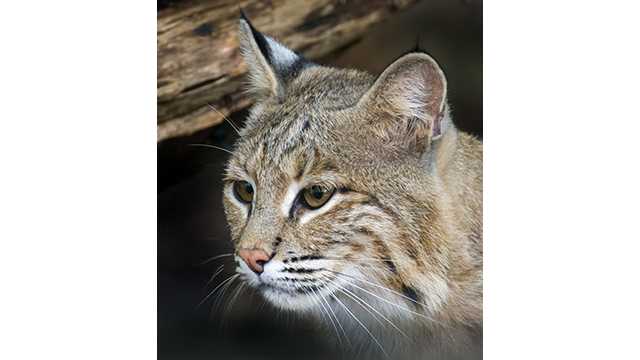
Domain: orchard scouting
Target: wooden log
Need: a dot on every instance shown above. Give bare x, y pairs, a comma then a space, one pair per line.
199, 61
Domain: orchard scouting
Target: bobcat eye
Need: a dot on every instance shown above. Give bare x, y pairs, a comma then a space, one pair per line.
316, 196
243, 191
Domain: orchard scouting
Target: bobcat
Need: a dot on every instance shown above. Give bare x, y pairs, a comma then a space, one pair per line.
357, 200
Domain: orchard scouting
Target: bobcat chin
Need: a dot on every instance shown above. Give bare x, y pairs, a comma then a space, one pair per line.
356, 199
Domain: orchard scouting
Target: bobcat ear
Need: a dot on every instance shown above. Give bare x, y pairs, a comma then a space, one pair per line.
270, 63
411, 96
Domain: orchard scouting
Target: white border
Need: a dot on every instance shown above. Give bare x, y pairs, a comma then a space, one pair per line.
78, 197
78, 184
561, 180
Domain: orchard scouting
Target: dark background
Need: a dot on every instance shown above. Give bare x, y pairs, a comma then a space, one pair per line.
191, 224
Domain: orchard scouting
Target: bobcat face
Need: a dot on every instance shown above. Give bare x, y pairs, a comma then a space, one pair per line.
307, 225
326, 193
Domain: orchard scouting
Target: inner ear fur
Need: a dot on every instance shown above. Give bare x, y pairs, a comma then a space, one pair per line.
409, 98
269, 62
262, 78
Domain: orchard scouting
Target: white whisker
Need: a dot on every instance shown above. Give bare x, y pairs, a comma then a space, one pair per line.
327, 313
337, 319
216, 288
355, 259
360, 300
362, 325
378, 286
216, 273
232, 300
212, 147
391, 302
216, 258
220, 296
225, 118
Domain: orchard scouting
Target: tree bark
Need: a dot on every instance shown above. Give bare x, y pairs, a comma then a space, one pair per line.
199, 61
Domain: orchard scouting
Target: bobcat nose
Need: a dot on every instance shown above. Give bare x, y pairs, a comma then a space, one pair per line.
254, 258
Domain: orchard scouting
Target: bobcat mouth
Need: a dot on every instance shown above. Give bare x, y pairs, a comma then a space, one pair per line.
292, 281
290, 290
291, 284
293, 290
294, 294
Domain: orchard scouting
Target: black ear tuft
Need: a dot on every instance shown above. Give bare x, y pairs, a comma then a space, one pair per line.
417, 47
260, 39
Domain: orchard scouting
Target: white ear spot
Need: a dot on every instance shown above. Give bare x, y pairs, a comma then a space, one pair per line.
280, 56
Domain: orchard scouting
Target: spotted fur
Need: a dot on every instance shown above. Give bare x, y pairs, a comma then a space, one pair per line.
403, 230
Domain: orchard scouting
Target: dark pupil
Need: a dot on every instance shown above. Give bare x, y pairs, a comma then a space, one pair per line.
248, 188
317, 192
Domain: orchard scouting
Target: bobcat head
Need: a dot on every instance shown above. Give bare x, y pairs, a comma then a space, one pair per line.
338, 188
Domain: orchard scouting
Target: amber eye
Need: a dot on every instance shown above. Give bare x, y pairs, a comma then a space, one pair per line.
315, 196
243, 191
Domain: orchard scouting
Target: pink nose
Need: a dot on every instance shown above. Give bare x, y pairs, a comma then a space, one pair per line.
255, 258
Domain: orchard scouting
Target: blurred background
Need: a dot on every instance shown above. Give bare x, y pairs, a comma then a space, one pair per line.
191, 223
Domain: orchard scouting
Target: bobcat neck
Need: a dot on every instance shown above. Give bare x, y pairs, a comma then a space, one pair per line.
459, 170
459, 167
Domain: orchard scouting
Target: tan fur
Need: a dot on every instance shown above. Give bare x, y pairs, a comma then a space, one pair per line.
408, 218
